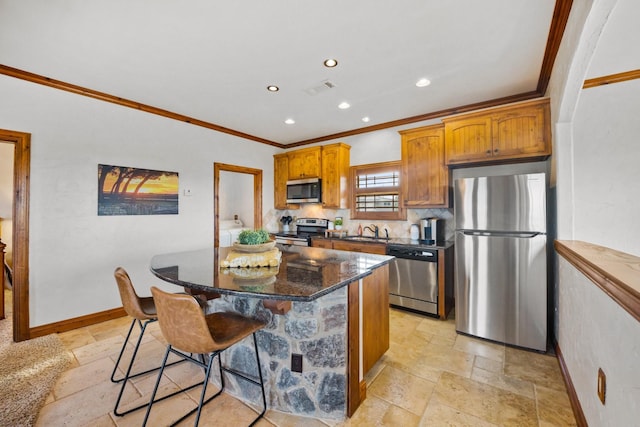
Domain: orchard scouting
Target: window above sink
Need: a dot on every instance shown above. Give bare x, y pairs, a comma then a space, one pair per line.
376, 190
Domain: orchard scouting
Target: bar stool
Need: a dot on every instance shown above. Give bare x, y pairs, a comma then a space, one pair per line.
188, 330
143, 311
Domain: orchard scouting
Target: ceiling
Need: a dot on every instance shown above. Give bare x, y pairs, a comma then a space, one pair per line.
211, 61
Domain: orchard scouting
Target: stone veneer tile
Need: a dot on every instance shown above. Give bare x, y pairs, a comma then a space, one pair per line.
448, 359
402, 389
82, 377
440, 415
283, 419
513, 385
376, 411
398, 359
486, 402
99, 349
554, 407
76, 338
443, 341
540, 369
92, 404
480, 347
82, 407
490, 365
443, 328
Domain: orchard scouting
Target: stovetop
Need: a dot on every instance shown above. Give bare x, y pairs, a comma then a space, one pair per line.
306, 228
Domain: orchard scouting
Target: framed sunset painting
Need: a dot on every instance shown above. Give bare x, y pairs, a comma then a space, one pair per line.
134, 191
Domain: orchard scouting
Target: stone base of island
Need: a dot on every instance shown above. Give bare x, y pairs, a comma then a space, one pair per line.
337, 323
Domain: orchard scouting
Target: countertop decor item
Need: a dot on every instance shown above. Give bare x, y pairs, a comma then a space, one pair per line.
264, 258
338, 223
254, 248
286, 220
253, 237
262, 247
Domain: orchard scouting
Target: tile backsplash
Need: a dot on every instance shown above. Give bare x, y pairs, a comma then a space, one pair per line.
396, 228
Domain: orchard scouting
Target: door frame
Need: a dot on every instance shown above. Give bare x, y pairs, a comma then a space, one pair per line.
20, 242
257, 195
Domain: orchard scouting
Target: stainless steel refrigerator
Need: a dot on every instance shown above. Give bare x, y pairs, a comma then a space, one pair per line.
500, 258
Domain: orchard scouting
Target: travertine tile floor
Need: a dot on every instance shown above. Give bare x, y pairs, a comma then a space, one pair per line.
430, 376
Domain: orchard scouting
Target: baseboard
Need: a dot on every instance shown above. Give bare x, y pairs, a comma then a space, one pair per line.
77, 322
581, 421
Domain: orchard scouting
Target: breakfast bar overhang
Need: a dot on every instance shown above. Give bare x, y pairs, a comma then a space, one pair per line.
327, 308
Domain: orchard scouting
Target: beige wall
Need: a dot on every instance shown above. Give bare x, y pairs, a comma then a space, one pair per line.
595, 160
73, 251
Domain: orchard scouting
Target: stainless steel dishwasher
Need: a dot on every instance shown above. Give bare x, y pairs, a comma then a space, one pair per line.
413, 278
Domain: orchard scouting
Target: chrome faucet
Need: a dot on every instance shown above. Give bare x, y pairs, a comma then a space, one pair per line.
374, 230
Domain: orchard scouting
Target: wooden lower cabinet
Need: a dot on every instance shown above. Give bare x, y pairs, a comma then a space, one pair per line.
369, 248
375, 316
322, 243
368, 309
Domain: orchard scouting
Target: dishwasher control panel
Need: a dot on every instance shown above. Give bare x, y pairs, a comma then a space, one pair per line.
409, 252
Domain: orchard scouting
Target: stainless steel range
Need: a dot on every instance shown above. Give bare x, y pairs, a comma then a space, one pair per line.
306, 228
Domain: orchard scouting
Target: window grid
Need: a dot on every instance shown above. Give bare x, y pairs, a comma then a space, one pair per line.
377, 203
387, 179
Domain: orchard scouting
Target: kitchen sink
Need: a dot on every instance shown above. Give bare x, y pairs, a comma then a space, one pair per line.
366, 239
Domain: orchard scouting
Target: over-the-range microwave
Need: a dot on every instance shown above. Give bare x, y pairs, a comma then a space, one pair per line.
304, 191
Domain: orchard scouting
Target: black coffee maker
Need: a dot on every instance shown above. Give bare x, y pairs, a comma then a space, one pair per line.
432, 230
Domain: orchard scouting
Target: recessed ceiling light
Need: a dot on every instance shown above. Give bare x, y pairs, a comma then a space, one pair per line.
273, 88
330, 63
289, 121
344, 105
423, 82
366, 119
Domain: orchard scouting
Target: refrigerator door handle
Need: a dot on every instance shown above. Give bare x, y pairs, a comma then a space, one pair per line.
526, 235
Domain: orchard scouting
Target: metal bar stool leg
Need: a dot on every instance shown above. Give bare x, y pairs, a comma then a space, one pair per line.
128, 375
124, 347
124, 380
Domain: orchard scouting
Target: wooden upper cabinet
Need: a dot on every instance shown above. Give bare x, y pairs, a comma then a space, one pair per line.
330, 163
305, 163
497, 135
520, 132
280, 178
424, 173
335, 175
468, 140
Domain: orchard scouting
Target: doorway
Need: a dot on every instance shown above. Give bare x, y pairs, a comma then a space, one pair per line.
20, 230
220, 168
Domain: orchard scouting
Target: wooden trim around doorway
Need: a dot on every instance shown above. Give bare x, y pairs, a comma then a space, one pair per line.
20, 246
257, 195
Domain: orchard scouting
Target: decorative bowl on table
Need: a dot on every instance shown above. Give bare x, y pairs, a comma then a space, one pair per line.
261, 247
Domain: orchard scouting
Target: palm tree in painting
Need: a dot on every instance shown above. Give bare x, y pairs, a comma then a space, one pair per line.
119, 187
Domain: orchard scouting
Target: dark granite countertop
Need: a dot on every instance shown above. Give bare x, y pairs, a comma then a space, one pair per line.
304, 274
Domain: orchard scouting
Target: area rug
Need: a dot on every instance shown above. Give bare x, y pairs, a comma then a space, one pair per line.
28, 372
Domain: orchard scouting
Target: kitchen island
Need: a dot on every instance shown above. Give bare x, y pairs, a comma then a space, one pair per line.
327, 314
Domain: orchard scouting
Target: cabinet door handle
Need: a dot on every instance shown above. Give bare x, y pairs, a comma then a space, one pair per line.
488, 152
495, 151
